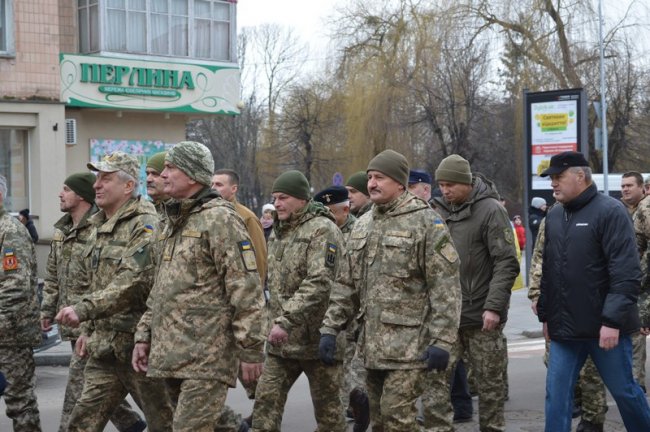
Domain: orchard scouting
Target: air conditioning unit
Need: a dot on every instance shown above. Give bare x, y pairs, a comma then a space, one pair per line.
70, 131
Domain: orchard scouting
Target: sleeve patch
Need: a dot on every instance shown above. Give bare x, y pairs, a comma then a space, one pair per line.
448, 251
148, 229
330, 255
9, 260
248, 255
509, 236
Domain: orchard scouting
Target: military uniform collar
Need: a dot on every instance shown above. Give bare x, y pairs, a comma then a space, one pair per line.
107, 225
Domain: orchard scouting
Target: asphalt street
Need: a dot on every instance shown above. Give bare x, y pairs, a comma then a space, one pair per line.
524, 409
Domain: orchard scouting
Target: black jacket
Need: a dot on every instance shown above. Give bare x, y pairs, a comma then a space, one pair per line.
591, 272
535, 217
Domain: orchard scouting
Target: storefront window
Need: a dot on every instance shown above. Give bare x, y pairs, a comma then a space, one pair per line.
14, 165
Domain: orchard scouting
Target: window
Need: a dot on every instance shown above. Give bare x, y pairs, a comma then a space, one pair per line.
13, 165
6, 28
180, 28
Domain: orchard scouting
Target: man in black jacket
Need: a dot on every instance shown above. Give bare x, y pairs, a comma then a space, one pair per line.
589, 288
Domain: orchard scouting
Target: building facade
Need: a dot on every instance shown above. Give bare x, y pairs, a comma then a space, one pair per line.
81, 78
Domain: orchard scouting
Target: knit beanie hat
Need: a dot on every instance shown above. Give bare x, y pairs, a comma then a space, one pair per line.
537, 202
359, 181
454, 169
82, 185
292, 183
194, 159
157, 162
393, 164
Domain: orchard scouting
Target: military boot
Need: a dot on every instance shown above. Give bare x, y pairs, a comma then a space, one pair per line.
587, 426
360, 406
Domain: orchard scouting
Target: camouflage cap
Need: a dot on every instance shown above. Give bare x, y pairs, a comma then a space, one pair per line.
117, 161
194, 159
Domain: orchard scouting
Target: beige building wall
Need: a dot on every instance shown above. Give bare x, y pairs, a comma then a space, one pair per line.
34, 72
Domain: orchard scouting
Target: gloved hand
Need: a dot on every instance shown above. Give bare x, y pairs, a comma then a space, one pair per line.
327, 348
436, 358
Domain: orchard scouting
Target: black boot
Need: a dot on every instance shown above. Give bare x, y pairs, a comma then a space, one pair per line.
360, 409
587, 426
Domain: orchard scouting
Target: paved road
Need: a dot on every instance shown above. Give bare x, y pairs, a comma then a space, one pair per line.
524, 410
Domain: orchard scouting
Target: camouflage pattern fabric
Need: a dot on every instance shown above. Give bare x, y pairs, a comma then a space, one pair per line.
194, 159
639, 357
17, 363
642, 231
64, 285
206, 299
197, 401
536, 260
304, 253
592, 392
123, 417
229, 420
121, 267
486, 354
107, 381
273, 388
400, 279
18, 322
393, 395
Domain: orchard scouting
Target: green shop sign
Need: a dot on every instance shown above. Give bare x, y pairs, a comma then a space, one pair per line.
108, 82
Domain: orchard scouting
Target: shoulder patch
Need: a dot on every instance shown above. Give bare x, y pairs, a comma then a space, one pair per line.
448, 252
330, 255
509, 235
438, 223
9, 260
148, 229
248, 255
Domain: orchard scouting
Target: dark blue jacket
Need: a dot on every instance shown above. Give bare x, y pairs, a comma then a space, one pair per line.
591, 273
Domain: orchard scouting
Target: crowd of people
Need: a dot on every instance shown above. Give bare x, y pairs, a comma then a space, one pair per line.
382, 292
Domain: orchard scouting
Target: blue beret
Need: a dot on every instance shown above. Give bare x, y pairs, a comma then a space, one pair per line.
419, 177
332, 195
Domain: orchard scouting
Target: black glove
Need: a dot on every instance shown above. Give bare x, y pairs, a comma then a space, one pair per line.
327, 348
436, 358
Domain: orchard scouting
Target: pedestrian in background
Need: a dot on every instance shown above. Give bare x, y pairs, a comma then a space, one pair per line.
520, 230
536, 213
26, 219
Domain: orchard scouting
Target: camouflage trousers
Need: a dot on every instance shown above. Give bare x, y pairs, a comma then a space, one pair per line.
107, 381
393, 395
123, 417
486, 354
229, 420
17, 363
589, 391
639, 358
198, 403
276, 381
354, 374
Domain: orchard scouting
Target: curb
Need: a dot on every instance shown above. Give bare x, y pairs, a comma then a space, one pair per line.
533, 334
52, 360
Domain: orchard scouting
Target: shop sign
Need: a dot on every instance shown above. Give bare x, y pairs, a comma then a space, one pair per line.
109, 82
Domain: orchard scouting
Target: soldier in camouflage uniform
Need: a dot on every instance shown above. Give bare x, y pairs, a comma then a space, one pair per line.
400, 280
357, 186
204, 316
354, 374
304, 250
64, 286
155, 183
18, 319
589, 392
642, 230
120, 268
481, 229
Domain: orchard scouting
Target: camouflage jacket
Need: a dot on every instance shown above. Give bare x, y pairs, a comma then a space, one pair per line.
642, 231
19, 326
303, 258
120, 266
400, 280
536, 261
205, 311
346, 229
65, 283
